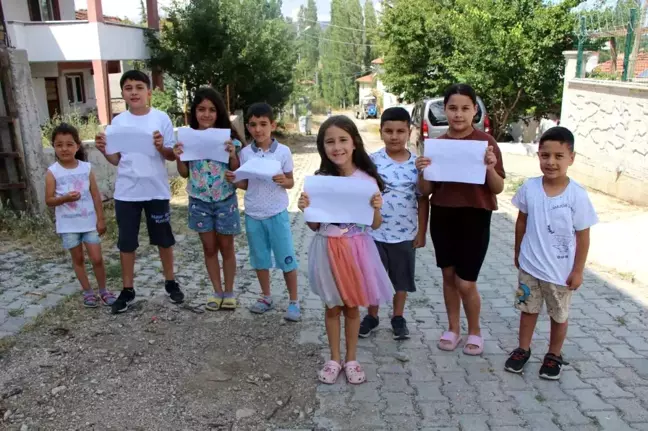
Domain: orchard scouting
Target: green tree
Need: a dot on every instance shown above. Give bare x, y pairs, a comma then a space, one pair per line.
510, 51
371, 32
343, 53
244, 44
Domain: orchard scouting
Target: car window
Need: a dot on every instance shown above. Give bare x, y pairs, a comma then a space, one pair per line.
416, 117
437, 116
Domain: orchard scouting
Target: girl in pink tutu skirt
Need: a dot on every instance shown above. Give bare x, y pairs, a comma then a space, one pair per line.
344, 267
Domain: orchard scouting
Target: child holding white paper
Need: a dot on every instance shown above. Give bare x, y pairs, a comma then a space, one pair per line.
213, 206
344, 267
71, 188
142, 184
267, 224
460, 217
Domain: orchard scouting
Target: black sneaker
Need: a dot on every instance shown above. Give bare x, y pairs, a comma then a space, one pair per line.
368, 324
126, 296
517, 360
552, 367
173, 290
399, 326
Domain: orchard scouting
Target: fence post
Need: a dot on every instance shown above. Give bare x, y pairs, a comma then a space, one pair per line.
581, 43
628, 45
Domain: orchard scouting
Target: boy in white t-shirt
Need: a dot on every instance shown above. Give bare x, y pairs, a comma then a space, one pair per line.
552, 237
267, 224
142, 184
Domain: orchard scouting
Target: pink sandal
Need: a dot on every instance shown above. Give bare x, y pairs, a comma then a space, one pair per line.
474, 340
354, 373
452, 339
330, 372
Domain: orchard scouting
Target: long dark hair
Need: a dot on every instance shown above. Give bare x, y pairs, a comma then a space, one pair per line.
67, 129
462, 90
360, 157
222, 116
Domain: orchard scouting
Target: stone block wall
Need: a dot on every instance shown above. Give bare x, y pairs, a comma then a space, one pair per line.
609, 120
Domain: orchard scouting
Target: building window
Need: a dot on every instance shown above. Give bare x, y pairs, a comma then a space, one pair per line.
75, 88
44, 10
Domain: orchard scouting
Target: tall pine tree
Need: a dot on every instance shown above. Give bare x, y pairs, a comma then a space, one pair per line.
371, 32
343, 53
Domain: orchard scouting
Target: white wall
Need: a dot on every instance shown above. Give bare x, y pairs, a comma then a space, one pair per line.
78, 41
364, 90
16, 10
44, 70
67, 10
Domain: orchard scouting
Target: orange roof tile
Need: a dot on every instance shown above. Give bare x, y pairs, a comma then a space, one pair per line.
640, 65
82, 15
367, 79
378, 61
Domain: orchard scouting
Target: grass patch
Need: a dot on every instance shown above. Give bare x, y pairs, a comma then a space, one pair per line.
15, 312
113, 271
178, 186
29, 230
6, 344
514, 184
621, 321
539, 398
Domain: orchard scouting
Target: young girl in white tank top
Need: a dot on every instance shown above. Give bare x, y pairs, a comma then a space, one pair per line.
71, 188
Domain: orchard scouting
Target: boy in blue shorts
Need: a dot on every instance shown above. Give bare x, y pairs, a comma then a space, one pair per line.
405, 216
142, 184
267, 224
552, 236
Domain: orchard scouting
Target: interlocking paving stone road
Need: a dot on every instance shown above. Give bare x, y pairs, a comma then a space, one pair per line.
605, 387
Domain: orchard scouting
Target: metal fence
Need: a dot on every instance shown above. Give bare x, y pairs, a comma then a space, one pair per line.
618, 31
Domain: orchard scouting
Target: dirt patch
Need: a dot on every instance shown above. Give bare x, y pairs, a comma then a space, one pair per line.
158, 367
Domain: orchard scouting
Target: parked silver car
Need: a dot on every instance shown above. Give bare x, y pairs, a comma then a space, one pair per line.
429, 120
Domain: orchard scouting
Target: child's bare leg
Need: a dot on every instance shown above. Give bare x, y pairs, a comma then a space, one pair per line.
557, 338
472, 304
527, 326
332, 321
226, 247
373, 310
351, 331
452, 302
166, 256
291, 284
210, 250
264, 281
96, 257
128, 268
399, 303
78, 263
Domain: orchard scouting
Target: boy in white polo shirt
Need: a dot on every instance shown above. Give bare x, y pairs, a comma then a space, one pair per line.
142, 184
267, 224
552, 236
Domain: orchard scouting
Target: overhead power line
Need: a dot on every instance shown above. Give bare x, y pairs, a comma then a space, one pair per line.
333, 25
340, 42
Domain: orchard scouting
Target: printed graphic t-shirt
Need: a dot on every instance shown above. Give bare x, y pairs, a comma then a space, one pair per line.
400, 205
549, 244
140, 177
78, 216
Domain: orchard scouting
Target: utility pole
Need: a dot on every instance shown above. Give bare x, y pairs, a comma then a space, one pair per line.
638, 33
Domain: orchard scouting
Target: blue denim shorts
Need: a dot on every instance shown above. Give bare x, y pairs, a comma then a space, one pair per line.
71, 240
268, 237
222, 217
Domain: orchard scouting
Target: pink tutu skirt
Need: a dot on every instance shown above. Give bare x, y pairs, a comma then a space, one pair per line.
344, 268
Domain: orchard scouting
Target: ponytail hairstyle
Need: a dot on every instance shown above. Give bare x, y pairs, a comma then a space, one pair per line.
222, 116
360, 157
67, 129
462, 90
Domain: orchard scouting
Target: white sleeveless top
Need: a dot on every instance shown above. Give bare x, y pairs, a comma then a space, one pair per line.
79, 216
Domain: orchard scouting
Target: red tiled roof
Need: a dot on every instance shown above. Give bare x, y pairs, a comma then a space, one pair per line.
82, 15
378, 61
368, 79
640, 65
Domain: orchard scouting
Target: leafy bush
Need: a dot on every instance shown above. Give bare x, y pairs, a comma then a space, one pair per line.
605, 76
88, 126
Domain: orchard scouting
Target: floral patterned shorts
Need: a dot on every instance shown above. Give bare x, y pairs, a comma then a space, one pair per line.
223, 217
533, 293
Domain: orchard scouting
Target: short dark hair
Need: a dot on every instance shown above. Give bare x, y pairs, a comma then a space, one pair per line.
559, 134
395, 114
259, 110
134, 75
461, 89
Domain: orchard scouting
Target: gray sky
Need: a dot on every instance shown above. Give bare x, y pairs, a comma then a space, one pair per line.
130, 8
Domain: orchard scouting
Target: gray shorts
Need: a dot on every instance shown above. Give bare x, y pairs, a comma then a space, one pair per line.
399, 260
